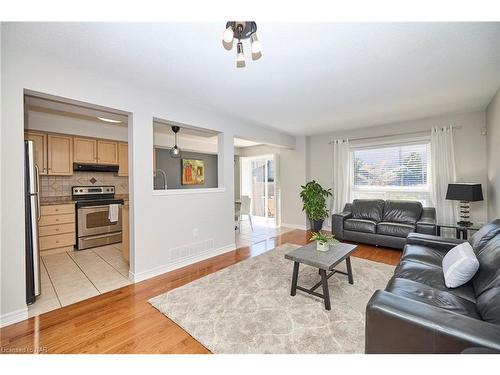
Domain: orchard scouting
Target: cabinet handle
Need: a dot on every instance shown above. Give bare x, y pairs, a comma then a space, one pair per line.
57, 230
57, 241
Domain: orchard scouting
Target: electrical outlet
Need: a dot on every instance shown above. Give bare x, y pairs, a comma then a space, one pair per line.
196, 232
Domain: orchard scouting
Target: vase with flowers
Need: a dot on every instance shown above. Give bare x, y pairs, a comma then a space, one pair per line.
323, 240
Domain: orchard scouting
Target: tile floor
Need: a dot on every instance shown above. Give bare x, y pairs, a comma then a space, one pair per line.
261, 232
73, 276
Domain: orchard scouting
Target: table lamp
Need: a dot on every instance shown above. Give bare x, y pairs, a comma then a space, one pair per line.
465, 193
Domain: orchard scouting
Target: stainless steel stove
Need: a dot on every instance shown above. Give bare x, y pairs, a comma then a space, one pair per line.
98, 216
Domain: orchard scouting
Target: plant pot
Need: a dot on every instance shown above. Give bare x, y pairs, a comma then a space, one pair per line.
322, 246
316, 225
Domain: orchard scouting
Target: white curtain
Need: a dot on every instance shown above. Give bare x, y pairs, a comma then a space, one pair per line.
341, 174
443, 173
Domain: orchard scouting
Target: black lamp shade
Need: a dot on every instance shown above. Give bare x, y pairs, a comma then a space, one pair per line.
464, 192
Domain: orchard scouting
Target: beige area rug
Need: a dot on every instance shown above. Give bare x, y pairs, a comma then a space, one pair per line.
247, 307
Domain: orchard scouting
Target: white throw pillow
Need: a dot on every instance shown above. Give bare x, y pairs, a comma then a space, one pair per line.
459, 265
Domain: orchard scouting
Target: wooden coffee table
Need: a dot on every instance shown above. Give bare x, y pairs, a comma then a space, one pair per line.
325, 261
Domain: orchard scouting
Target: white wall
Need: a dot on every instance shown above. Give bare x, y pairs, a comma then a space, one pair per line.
470, 150
197, 144
493, 152
2, 263
160, 224
50, 122
293, 174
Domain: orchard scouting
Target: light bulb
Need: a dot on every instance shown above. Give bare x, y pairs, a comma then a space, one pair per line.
228, 35
240, 57
175, 152
256, 45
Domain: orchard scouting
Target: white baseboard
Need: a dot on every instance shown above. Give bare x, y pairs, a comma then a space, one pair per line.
144, 275
295, 226
13, 317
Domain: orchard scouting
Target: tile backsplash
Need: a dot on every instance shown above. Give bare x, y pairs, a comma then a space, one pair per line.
56, 186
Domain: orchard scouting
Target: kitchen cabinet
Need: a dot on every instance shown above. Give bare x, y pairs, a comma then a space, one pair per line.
40, 145
122, 159
85, 150
107, 152
60, 155
57, 232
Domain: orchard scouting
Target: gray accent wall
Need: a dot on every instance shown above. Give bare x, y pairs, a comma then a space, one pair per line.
173, 169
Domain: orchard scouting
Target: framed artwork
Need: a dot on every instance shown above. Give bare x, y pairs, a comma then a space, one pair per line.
193, 172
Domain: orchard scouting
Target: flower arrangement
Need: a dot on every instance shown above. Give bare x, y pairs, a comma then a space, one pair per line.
323, 240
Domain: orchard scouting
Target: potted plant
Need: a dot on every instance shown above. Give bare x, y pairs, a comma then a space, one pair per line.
314, 203
323, 241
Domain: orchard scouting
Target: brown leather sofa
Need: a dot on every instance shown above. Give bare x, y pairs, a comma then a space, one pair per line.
383, 223
417, 313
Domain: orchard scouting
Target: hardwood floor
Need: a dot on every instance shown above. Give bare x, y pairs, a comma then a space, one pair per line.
122, 321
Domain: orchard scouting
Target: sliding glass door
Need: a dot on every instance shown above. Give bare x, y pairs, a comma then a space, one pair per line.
258, 182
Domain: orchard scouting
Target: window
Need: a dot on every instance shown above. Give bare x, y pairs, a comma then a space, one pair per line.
392, 172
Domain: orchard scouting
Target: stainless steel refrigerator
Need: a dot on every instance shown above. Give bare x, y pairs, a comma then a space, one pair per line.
32, 208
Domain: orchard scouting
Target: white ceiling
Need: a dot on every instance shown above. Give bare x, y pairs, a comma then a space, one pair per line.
65, 108
312, 78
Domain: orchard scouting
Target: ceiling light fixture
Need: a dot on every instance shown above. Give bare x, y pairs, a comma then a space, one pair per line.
240, 56
109, 120
175, 152
242, 30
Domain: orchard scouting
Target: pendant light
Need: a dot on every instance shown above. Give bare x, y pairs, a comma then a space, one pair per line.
175, 152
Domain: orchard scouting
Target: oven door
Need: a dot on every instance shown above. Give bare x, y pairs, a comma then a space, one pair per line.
94, 220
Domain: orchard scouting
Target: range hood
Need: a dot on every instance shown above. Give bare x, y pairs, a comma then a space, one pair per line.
94, 167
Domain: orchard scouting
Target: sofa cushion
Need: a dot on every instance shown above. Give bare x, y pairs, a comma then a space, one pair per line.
406, 212
423, 254
359, 225
395, 229
479, 239
432, 296
432, 276
486, 282
459, 265
368, 209
488, 302
489, 266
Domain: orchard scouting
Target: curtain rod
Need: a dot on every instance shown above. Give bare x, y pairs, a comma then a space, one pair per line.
392, 135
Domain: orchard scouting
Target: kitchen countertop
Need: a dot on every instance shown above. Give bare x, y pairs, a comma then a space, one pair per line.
48, 201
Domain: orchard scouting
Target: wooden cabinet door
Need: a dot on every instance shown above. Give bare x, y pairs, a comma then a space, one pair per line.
84, 150
60, 155
123, 159
107, 152
40, 143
